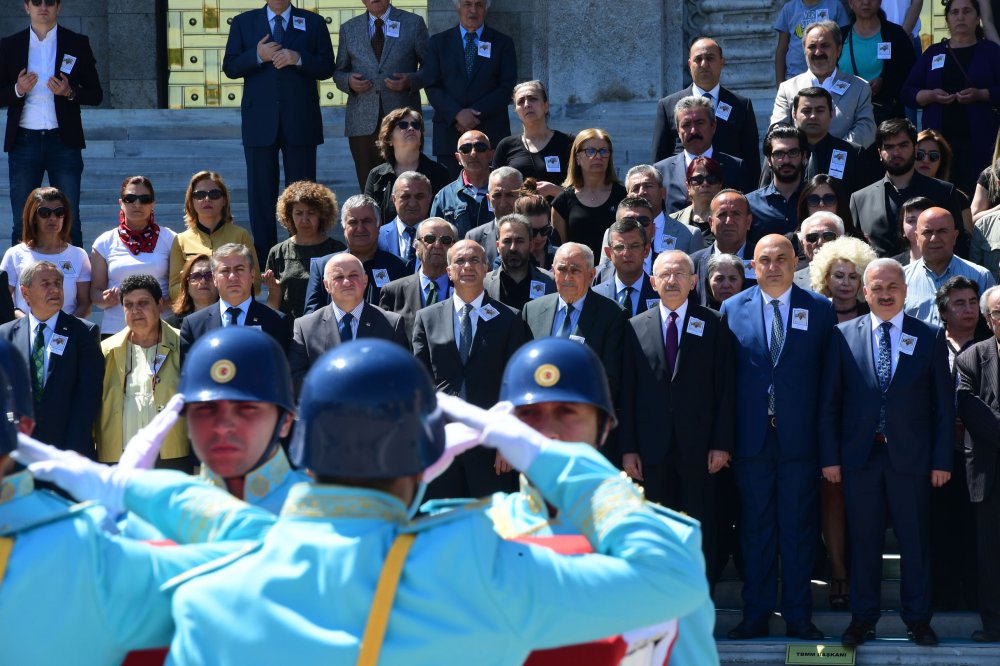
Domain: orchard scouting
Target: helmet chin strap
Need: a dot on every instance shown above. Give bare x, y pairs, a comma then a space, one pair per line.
272, 445
418, 499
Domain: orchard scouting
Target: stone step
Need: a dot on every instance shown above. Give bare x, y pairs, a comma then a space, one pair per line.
952, 625
767, 652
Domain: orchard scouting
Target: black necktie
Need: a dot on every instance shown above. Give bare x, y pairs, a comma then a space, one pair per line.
470, 52
378, 38
233, 316
626, 301
279, 29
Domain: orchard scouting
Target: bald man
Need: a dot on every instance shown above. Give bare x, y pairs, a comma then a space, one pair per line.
347, 317
781, 335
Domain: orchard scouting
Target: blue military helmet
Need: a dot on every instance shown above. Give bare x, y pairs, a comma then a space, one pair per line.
16, 369
237, 363
557, 370
367, 410
8, 416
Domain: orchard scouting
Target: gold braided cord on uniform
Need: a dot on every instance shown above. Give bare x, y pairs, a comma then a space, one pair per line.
385, 593
6, 548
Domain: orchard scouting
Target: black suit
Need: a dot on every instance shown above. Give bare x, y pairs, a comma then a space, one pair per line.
673, 419
979, 409
317, 332
71, 398
601, 325
477, 381
491, 285
273, 322
736, 174
405, 297
736, 135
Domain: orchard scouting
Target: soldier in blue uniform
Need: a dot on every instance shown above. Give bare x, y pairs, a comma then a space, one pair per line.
559, 388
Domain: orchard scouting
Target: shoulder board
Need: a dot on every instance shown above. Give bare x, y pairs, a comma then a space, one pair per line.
467, 510
434, 507
211, 566
677, 516
71, 511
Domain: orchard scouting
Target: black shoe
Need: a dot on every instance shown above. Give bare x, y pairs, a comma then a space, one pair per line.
857, 633
746, 630
986, 636
922, 634
803, 629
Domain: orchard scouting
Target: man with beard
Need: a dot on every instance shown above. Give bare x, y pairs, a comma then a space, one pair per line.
516, 281
696, 123
875, 208
774, 206
430, 283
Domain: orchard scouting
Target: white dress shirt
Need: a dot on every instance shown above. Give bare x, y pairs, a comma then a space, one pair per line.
458, 304
40, 104
244, 311
784, 304
665, 320
688, 157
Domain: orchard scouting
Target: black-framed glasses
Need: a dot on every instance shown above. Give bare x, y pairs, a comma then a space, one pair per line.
593, 152
44, 212
827, 236
821, 200
711, 179
141, 198
542, 231
478, 146
779, 155
213, 194
428, 239
644, 220
47, 3
203, 276
409, 124
929, 155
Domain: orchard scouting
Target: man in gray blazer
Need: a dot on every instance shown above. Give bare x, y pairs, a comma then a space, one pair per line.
378, 57
430, 284
853, 116
579, 314
347, 317
465, 342
516, 281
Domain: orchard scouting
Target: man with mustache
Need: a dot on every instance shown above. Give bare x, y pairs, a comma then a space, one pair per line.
853, 116
696, 122
774, 206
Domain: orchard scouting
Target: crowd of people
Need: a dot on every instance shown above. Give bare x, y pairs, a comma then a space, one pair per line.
796, 352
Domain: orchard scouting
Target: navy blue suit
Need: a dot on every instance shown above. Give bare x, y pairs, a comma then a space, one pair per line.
777, 466
450, 89
280, 109
389, 267
388, 241
702, 294
890, 478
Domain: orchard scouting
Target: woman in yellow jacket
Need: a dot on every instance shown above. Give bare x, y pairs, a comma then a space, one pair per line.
209, 219
141, 371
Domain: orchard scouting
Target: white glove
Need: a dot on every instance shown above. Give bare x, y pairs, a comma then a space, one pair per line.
80, 477
142, 449
459, 439
499, 429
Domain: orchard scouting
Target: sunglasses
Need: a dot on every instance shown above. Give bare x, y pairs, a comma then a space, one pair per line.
592, 152
929, 155
542, 231
204, 276
410, 124
478, 146
47, 3
141, 198
827, 236
824, 200
711, 179
45, 212
644, 220
214, 195
430, 238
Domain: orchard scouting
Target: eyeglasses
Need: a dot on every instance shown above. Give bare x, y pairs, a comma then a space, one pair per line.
672, 276
478, 146
780, 155
204, 276
929, 155
47, 3
471, 261
430, 238
141, 198
45, 212
593, 152
995, 315
198, 195
542, 231
827, 236
620, 248
821, 200
711, 179
644, 220
409, 124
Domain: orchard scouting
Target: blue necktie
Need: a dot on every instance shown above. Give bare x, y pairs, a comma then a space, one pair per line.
346, 335
883, 367
777, 340
410, 256
279, 29
470, 52
567, 325
465, 333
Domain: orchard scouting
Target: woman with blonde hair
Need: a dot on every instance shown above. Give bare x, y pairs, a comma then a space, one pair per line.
836, 272
209, 219
587, 208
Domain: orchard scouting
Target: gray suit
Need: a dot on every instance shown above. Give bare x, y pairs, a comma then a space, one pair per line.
853, 115
405, 298
317, 332
601, 325
401, 54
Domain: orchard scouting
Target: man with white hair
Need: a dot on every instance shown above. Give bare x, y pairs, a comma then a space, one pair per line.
819, 228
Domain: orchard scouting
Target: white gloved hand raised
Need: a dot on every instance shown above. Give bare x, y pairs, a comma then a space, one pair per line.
458, 439
82, 478
144, 447
499, 429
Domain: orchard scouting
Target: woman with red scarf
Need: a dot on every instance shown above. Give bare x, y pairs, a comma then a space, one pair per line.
137, 245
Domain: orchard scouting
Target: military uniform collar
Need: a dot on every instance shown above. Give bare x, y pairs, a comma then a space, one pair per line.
16, 486
306, 500
260, 482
